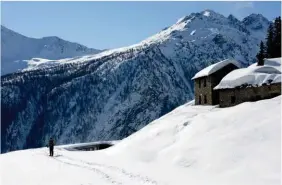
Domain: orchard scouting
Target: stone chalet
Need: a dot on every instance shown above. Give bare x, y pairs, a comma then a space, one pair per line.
226, 84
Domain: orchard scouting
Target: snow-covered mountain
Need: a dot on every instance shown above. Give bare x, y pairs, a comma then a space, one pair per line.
111, 95
197, 145
15, 48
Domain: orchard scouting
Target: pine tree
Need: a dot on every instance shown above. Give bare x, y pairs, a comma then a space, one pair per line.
277, 37
261, 55
270, 42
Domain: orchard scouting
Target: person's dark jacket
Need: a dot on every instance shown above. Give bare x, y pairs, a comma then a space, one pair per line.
51, 143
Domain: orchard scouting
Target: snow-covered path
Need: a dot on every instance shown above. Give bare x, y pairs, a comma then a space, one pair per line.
115, 175
198, 145
64, 168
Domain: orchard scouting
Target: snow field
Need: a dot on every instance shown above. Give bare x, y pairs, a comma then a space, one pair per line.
190, 145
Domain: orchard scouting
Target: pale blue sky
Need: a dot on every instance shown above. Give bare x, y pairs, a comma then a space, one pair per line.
105, 25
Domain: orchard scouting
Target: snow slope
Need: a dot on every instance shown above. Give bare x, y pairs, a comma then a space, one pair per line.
16, 49
197, 145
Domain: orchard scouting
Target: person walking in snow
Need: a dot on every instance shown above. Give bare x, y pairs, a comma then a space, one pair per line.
51, 146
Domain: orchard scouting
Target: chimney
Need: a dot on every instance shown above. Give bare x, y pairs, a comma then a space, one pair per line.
260, 62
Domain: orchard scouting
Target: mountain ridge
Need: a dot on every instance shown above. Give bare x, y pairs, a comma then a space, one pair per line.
16, 48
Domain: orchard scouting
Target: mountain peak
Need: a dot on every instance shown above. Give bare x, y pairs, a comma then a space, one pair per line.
6, 31
232, 17
17, 47
3, 28
255, 17
211, 14
52, 38
256, 22
208, 12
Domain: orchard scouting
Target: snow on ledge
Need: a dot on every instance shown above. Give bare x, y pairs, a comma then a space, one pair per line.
193, 32
254, 76
215, 67
181, 19
206, 13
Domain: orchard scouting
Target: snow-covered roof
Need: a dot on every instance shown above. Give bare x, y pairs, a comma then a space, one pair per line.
274, 62
215, 67
252, 76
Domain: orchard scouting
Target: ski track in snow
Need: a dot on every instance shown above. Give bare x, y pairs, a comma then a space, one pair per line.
105, 170
97, 171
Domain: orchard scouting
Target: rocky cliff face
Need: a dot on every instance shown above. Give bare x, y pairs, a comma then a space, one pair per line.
112, 94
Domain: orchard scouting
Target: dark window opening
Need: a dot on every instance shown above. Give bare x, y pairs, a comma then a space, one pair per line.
233, 99
200, 100
199, 83
205, 99
258, 97
253, 98
93, 147
274, 94
205, 83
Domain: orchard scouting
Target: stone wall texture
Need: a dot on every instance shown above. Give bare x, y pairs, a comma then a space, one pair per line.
235, 96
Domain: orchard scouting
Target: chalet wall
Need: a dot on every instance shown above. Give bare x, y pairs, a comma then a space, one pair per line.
217, 77
202, 91
231, 97
212, 97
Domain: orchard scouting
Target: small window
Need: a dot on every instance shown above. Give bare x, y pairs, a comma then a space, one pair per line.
205, 99
200, 100
274, 94
253, 98
199, 83
233, 99
205, 83
258, 97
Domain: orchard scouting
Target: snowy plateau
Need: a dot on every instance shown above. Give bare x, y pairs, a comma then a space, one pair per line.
198, 145
112, 94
